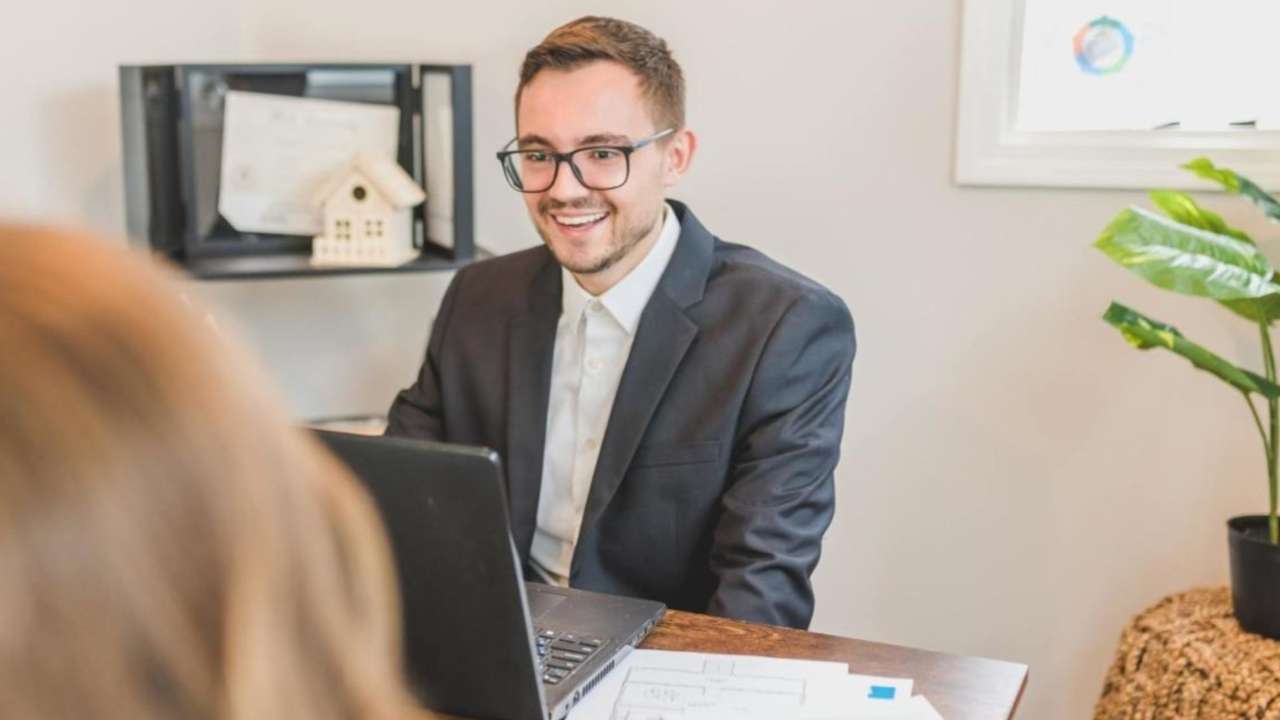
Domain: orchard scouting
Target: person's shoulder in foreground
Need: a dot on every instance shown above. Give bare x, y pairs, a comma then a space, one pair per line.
171, 546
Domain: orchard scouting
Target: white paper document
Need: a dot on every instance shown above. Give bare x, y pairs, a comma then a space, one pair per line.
663, 685
278, 151
437, 112
913, 708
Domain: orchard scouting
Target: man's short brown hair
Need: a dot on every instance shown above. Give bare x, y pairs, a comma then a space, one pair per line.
590, 38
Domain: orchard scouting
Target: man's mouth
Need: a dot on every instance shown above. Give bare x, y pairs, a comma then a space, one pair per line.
578, 222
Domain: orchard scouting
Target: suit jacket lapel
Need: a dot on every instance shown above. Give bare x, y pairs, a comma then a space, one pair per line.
662, 338
531, 343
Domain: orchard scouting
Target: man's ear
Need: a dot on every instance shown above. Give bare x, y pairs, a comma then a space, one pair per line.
679, 156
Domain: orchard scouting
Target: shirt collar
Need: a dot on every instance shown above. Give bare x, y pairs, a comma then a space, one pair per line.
573, 299
626, 300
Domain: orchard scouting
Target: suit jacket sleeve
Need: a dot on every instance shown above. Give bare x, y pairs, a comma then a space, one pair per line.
781, 494
418, 411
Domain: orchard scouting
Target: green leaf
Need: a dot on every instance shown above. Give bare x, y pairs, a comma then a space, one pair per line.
1235, 183
1186, 259
1183, 209
1144, 333
1264, 309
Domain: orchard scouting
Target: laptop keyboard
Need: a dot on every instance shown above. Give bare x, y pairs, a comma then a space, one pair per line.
560, 653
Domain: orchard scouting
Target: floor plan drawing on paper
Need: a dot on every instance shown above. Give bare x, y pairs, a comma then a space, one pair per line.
673, 685
672, 688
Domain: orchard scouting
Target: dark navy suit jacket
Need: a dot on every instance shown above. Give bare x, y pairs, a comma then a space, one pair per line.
714, 483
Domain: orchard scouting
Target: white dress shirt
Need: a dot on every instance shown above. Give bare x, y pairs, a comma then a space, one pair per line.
593, 342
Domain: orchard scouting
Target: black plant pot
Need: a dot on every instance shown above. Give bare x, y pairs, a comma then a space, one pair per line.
1255, 575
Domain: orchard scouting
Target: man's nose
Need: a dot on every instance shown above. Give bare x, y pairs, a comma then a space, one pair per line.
566, 186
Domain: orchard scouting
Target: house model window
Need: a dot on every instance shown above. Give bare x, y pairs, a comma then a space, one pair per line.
368, 215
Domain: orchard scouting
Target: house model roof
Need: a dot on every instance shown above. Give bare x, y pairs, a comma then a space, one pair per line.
386, 176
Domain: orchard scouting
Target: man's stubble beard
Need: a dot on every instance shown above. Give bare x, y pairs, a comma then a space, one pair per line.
622, 241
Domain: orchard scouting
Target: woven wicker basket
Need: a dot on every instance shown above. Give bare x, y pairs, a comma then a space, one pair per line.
1186, 657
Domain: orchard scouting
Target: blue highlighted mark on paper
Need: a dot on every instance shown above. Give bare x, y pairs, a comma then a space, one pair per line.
880, 692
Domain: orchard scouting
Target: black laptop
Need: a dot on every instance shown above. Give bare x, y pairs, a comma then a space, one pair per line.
480, 642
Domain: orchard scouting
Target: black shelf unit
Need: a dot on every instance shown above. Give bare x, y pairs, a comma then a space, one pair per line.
293, 265
171, 125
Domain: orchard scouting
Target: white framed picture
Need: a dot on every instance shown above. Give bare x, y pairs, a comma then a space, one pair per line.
1116, 94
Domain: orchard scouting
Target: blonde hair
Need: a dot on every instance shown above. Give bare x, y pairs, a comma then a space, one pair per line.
169, 545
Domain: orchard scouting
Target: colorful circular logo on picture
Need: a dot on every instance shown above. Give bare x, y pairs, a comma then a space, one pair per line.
1103, 46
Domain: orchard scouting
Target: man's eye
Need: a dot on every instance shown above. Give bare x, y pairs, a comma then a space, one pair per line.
605, 154
537, 157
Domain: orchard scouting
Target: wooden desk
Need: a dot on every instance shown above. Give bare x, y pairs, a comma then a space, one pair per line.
961, 688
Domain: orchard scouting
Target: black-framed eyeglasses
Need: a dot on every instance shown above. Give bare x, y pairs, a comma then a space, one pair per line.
597, 167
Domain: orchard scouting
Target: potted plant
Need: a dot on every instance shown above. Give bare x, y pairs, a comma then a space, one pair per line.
1190, 250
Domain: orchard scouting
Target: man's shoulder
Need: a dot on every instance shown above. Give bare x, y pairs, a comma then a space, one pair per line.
752, 277
518, 265
503, 281
753, 297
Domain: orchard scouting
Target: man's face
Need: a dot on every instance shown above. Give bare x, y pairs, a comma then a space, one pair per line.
593, 232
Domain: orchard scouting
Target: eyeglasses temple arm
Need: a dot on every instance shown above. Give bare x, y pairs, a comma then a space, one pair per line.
651, 139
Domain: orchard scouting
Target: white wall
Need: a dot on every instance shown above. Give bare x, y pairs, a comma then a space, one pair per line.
1016, 481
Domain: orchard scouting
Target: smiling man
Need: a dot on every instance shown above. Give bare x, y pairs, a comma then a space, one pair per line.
668, 406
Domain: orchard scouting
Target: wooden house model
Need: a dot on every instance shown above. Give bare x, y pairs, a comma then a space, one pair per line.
368, 215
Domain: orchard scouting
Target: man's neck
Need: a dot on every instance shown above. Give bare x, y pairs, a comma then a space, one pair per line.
599, 283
